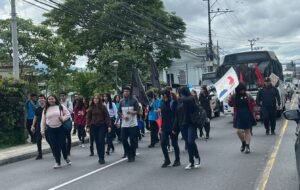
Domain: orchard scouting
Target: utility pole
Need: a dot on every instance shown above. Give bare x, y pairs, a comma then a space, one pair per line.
252, 42
16, 69
216, 13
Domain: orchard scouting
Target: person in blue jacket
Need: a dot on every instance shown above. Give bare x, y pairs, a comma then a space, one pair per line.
154, 106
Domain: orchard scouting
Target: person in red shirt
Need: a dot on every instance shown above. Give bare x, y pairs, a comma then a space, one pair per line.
80, 119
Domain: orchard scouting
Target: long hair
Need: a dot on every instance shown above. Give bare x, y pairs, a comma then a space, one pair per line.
48, 105
184, 91
99, 105
109, 100
115, 99
79, 102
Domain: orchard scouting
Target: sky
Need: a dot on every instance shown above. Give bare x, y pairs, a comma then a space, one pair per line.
274, 23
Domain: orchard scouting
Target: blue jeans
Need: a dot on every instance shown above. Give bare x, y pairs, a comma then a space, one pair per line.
189, 134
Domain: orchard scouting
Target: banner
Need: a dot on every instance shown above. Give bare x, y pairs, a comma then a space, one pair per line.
227, 84
137, 88
274, 79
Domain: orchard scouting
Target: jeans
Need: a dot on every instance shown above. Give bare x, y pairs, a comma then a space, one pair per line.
99, 133
68, 141
28, 127
110, 136
269, 117
189, 134
154, 132
81, 133
131, 133
38, 137
165, 142
57, 140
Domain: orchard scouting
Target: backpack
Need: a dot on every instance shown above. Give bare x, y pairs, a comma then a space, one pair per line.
198, 116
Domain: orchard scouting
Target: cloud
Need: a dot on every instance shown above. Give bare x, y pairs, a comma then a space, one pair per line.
274, 22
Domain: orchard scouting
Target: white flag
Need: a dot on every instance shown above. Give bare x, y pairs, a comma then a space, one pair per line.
227, 84
274, 79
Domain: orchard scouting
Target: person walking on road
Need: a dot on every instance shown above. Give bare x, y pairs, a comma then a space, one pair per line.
36, 125
80, 119
128, 110
205, 99
30, 106
244, 118
153, 114
185, 108
53, 116
116, 100
98, 122
69, 105
268, 98
168, 112
113, 114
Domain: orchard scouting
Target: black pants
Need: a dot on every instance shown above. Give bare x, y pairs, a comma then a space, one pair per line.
81, 133
68, 141
111, 135
92, 140
154, 132
38, 137
189, 134
131, 133
165, 143
99, 133
269, 118
206, 128
28, 127
57, 140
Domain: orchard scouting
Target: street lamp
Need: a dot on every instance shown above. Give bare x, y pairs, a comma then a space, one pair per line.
115, 64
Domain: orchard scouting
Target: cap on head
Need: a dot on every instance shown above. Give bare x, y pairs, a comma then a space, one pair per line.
267, 79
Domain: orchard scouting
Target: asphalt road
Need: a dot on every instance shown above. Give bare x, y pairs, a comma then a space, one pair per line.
223, 167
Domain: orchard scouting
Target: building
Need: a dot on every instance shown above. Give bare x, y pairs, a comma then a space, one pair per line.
189, 69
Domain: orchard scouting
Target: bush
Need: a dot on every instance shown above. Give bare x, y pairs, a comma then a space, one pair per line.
12, 98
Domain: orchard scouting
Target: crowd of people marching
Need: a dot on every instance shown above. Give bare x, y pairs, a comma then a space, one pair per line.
123, 119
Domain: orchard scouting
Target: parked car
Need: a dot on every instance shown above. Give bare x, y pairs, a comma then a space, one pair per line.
294, 115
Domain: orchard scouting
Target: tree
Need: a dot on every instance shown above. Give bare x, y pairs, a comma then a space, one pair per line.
124, 30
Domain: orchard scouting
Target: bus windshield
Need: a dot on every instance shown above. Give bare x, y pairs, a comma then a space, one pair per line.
251, 67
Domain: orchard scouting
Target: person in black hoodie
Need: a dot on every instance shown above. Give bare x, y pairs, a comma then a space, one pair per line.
185, 108
168, 111
266, 99
204, 99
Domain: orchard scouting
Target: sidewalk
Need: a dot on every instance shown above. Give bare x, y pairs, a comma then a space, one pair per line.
22, 152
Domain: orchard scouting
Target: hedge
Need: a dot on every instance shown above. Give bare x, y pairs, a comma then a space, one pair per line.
12, 98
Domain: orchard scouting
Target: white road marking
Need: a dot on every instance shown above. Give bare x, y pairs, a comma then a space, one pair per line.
88, 174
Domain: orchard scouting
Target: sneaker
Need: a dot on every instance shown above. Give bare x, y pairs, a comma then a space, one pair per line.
56, 166
151, 146
166, 164
107, 152
207, 137
92, 154
189, 166
131, 159
82, 145
267, 132
198, 164
247, 150
242, 149
101, 161
176, 163
273, 133
39, 157
68, 161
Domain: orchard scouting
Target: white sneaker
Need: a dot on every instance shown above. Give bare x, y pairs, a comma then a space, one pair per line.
82, 145
198, 164
189, 166
56, 166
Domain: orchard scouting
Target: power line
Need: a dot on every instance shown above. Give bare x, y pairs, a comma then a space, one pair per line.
36, 6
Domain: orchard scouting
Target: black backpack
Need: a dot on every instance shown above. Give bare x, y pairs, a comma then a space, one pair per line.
198, 116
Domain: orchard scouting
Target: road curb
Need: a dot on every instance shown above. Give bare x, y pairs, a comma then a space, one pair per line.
30, 155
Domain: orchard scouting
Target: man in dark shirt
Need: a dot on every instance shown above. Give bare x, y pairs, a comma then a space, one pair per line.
267, 98
36, 125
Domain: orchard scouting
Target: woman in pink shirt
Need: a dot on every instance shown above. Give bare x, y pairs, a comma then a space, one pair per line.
53, 116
